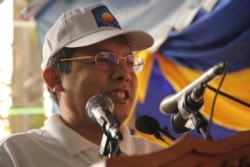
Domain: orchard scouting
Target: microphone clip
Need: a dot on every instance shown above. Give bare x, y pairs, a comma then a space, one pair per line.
191, 118
109, 147
111, 136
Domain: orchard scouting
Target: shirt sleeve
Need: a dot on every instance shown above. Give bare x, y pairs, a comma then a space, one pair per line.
5, 160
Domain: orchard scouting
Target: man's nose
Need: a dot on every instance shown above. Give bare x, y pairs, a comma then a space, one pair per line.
121, 72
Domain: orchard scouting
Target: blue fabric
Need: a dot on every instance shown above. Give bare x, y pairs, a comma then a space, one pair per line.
221, 35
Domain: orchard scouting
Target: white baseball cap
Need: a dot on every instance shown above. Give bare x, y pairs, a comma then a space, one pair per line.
84, 26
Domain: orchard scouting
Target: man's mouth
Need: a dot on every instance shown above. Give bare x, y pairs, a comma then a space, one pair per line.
118, 94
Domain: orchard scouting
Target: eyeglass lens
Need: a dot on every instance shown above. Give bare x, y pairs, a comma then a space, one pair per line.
130, 60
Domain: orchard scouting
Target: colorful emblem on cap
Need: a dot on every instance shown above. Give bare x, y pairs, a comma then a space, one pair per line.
107, 17
104, 17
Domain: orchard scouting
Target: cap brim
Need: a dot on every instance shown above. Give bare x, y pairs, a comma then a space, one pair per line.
137, 40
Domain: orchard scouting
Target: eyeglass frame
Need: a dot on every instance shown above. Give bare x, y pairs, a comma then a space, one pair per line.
114, 54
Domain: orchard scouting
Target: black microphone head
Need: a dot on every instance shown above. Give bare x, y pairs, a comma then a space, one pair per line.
178, 123
98, 101
147, 124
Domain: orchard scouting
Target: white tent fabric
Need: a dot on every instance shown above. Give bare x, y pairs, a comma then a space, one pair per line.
155, 17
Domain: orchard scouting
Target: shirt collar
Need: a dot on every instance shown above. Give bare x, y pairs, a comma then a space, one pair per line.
126, 143
75, 143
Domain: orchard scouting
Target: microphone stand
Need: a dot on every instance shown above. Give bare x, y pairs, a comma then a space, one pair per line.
166, 132
193, 106
109, 146
110, 143
200, 124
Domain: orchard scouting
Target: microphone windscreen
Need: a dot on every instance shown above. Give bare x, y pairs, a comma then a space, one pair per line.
147, 124
98, 101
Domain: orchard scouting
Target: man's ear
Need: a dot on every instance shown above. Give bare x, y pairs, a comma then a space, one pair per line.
52, 79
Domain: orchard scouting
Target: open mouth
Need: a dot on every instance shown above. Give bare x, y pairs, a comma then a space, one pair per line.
118, 94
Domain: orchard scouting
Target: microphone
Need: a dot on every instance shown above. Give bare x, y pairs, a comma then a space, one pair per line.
151, 126
169, 104
147, 124
99, 108
188, 107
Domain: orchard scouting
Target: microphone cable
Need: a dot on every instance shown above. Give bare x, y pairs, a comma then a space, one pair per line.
228, 96
215, 98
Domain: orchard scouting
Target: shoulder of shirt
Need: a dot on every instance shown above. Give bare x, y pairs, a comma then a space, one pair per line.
34, 133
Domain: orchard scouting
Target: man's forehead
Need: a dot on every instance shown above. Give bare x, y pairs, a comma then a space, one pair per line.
104, 45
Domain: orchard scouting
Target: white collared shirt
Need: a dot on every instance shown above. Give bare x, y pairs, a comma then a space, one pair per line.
59, 146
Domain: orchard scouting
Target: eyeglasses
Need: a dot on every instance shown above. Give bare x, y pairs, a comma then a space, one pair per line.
132, 61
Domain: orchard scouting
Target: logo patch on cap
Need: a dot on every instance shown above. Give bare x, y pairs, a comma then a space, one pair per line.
104, 17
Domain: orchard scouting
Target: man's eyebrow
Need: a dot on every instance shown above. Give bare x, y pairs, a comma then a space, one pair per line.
98, 49
90, 50
95, 50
